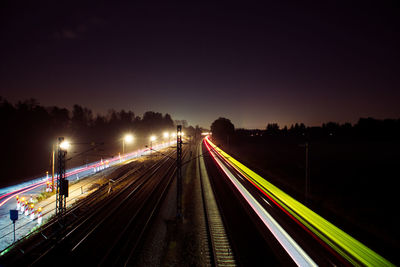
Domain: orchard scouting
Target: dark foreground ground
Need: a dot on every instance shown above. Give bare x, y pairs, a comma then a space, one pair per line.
353, 182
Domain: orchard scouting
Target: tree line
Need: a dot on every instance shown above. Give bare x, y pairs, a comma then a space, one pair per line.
365, 127
28, 131
223, 130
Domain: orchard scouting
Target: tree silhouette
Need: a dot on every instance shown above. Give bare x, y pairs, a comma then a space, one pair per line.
272, 129
222, 129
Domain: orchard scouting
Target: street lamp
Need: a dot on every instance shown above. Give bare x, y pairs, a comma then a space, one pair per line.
152, 139
166, 136
127, 139
64, 145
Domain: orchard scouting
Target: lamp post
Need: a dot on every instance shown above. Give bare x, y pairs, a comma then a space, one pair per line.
127, 139
166, 136
173, 135
152, 139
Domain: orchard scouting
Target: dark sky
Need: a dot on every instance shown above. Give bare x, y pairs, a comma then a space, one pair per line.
252, 63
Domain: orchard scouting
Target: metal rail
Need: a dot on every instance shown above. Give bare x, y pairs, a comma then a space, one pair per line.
48, 230
222, 254
131, 235
46, 235
104, 212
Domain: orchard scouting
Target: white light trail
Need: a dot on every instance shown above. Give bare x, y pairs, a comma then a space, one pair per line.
298, 255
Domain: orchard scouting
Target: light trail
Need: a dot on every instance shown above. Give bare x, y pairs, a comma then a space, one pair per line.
348, 247
298, 255
13, 194
78, 170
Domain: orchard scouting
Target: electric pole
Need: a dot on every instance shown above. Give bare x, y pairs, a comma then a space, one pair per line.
52, 168
307, 174
179, 171
62, 182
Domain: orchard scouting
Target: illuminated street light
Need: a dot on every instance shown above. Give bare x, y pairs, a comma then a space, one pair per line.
65, 145
167, 136
127, 139
152, 139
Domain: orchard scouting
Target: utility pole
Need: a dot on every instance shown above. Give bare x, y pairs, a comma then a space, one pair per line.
307, 173
179, 171
62, 183
52, 168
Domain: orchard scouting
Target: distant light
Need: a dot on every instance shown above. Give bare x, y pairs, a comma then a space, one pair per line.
166, 135
128, 138
153, 138
206, 133
65, 145
173, 134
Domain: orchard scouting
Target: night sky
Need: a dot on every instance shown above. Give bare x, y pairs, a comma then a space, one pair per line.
252, 63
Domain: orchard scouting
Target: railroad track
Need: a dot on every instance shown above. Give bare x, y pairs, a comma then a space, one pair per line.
127, 209
220, 251
249, 244
54, 227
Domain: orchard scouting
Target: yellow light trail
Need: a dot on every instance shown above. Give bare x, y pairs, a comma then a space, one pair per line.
344, 244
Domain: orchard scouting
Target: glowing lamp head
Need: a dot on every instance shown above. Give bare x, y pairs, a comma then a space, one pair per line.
153, 138
31, 206
166, 135
40, 209
23, 199
128, 138
65, 145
